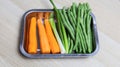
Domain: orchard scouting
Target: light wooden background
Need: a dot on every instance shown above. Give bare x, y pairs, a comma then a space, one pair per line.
107, 14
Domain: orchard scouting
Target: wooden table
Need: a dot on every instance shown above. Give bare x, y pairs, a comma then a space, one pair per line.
107, 14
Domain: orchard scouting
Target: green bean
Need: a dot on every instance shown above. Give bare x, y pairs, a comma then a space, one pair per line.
74, 9
79, 48
71, 30
77, 29
70, 18
66, 17
83, 39
66, 25
71, 42
82, 26
77, 37
74, 20
68, 37
79, 32
89, 33
87, 6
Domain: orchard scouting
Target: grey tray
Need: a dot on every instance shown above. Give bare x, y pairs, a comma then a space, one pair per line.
24, 53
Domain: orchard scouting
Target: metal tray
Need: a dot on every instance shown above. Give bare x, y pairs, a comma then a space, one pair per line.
24, 53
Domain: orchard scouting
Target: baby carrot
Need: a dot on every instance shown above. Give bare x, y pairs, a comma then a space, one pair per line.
51, 38
44, 45
32, 47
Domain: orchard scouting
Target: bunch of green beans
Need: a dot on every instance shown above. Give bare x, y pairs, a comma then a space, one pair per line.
75, 28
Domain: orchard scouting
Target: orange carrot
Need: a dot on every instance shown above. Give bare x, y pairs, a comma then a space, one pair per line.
51, 38
26, 34
44, 45
32, 47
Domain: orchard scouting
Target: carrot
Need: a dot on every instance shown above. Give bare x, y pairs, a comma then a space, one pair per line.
44, 45
26, 31
32, 47
26, 34
51, 38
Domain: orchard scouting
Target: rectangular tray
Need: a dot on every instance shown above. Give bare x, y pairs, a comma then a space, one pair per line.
24, 53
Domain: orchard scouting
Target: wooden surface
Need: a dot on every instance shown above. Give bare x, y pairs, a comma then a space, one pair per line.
107, 14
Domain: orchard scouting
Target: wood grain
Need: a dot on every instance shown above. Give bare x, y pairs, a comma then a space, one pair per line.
107, 14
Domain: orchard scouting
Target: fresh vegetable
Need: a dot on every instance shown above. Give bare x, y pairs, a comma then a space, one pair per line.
61, 28
77, 23
26, 32
71, 46
67, 24
79, 34
89, 28
44, 44
67, 30
54, 47
63, 32
32, 47
71, 18
74, 10
53, 25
